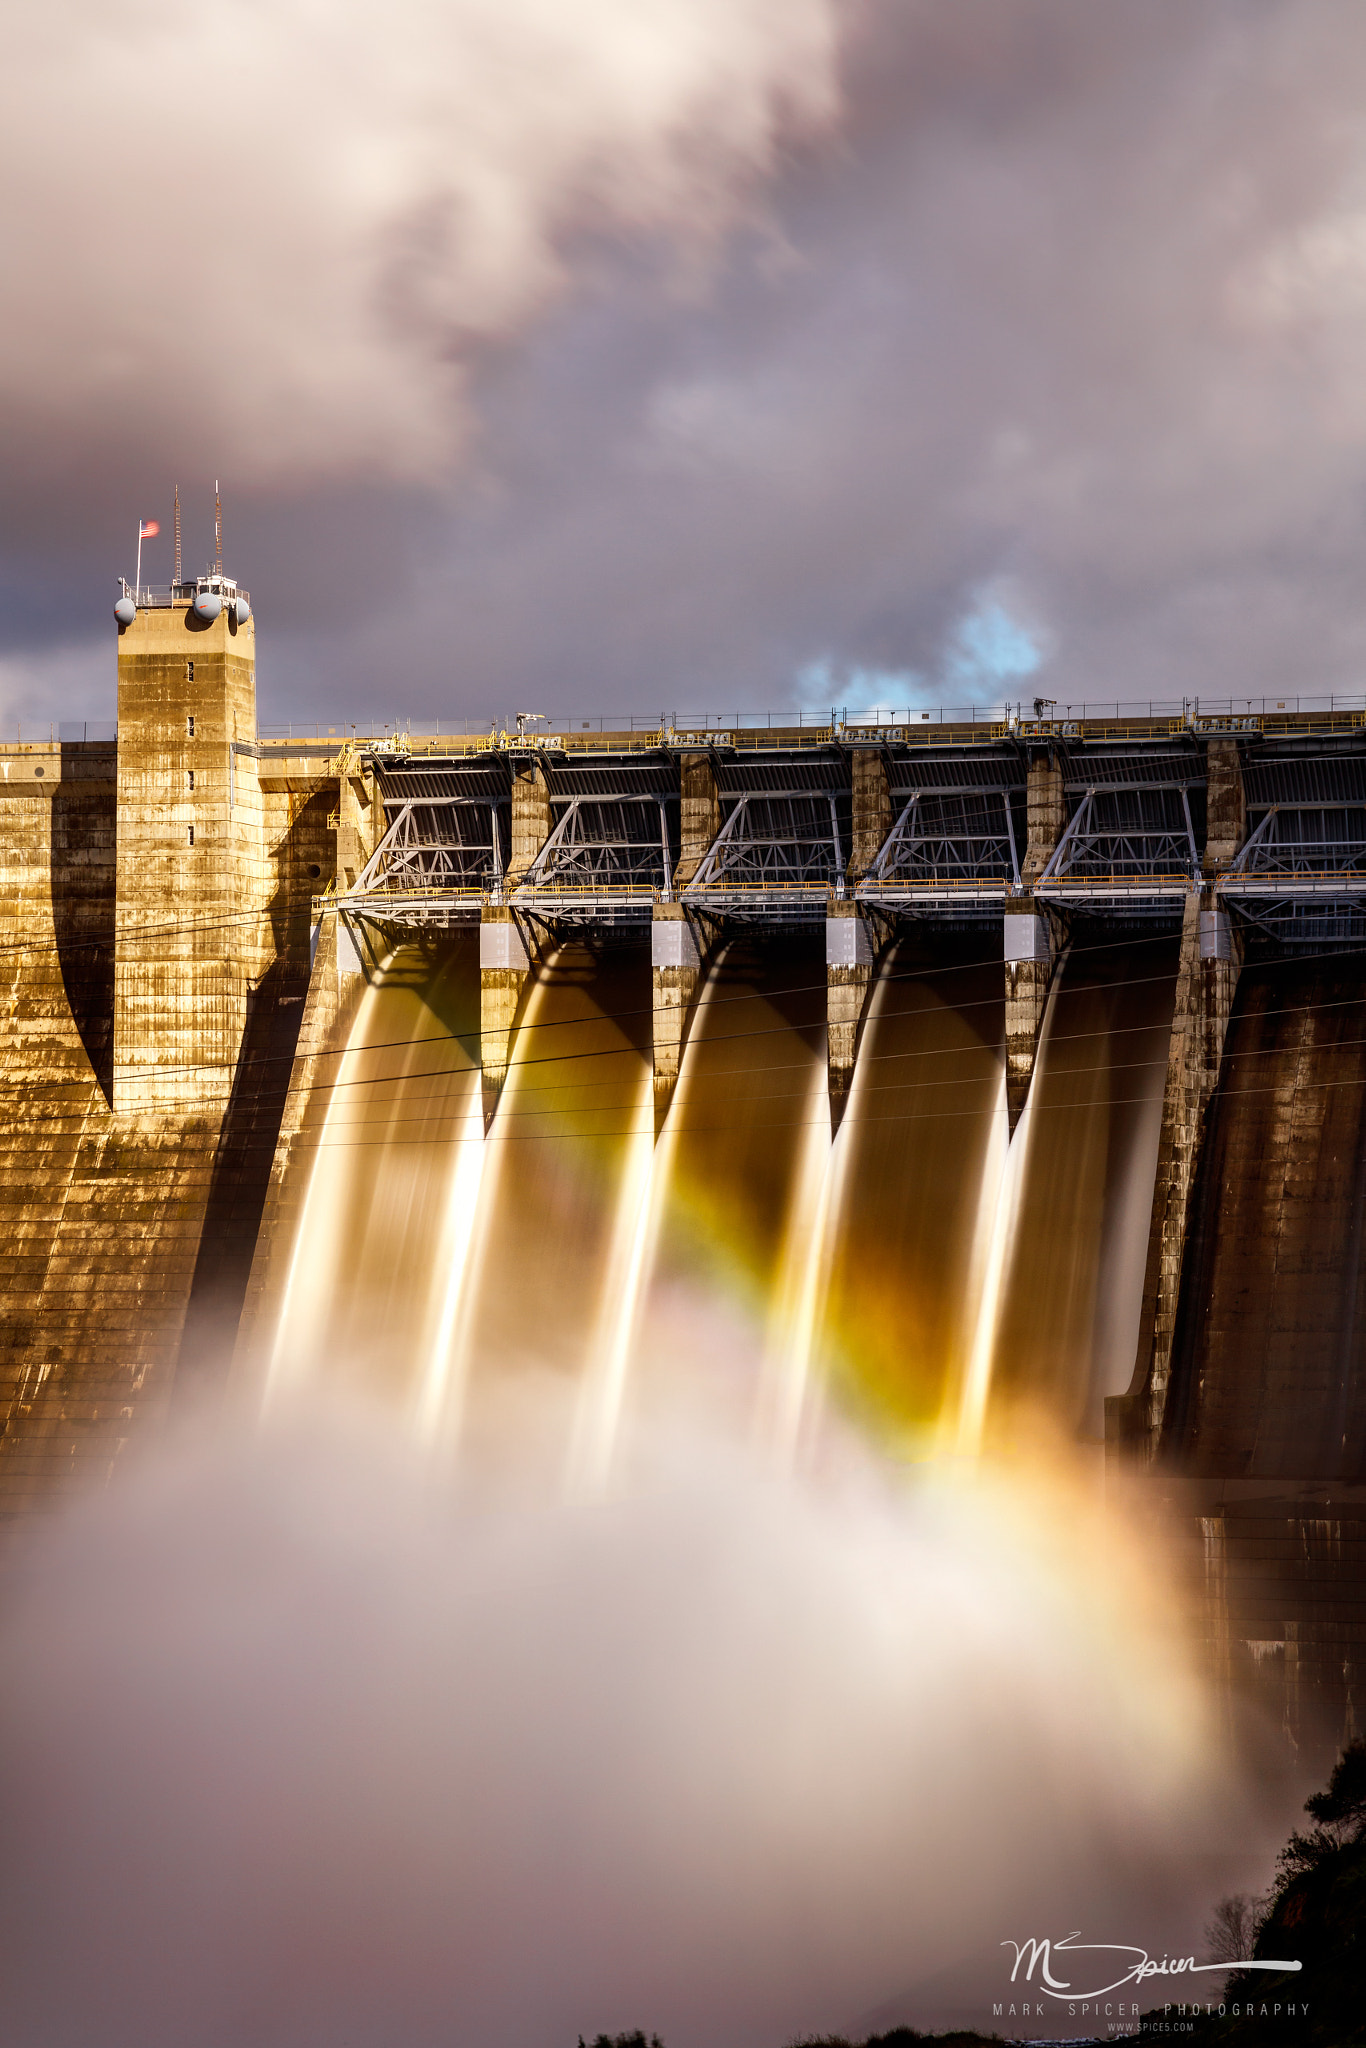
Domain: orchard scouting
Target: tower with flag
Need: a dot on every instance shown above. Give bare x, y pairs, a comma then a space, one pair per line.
190, 832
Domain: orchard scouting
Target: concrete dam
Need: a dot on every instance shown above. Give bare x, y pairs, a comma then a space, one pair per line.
1002, 1072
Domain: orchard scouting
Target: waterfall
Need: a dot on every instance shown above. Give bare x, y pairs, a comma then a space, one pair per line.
922, 1144
993, 1235
602, 1392
390, 1158
954, 1283
1063, 1325
798, 1296
739, 1173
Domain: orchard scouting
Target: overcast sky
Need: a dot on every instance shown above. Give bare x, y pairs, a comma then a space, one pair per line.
690, 354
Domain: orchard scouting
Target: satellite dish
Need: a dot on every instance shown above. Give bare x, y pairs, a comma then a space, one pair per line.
208, 604
125, 611
242, 609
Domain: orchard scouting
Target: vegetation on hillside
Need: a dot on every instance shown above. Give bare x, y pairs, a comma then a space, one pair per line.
1315, 1915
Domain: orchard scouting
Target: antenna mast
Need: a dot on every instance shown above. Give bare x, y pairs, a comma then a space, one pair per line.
217, 529
177, 533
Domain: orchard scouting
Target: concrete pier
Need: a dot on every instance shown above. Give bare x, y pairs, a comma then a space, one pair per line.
699, 813
679, 945
1225, 806
854, 943
871, 807
1030, 951
1031, 933
531, 820
505, 962
1046, 814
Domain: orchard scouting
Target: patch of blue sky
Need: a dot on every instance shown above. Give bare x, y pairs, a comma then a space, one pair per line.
989, 647
865, 693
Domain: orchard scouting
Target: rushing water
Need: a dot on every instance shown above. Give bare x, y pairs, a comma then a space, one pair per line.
1066, 1325
943, 1279
744, 1152
389, 1143
925, 1135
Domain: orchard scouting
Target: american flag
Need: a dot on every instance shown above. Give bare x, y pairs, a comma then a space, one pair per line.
147, 528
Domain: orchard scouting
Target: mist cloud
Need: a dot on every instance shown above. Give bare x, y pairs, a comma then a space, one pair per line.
296, 1747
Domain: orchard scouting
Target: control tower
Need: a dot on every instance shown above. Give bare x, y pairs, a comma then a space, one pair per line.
191, 879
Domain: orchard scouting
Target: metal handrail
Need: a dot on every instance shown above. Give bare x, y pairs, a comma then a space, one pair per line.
1166, 881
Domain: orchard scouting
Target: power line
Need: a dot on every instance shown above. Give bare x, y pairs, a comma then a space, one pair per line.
317, 1140
708, 1002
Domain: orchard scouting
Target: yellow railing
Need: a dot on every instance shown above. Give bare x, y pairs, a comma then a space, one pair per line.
1141, 884
869, 885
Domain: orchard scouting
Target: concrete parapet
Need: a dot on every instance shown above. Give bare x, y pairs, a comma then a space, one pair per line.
1207, 979
872, 807
1030, 948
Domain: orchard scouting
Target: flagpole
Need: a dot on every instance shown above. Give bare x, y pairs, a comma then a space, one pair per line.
137, 584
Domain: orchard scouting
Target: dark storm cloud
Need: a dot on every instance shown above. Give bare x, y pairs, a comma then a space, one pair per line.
1041, 369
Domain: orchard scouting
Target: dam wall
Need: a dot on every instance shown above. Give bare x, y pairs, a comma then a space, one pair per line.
101, 1211
1269, 1355
1259, 1459
192, 918
154, 986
